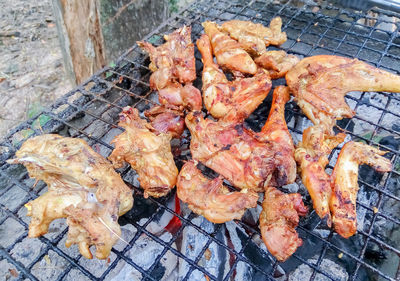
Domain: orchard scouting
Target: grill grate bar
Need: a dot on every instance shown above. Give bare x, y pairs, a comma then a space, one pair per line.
321, 257
189, 223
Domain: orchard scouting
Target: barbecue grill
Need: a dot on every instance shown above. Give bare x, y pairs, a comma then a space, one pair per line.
165, 240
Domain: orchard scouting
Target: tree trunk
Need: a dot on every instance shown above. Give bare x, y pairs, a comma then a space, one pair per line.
92, 33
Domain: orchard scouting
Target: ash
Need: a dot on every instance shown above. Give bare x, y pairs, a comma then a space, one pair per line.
304, 272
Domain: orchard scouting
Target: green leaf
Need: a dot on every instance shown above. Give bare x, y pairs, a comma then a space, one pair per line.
369, 136
41, 120
154, 39
34, 109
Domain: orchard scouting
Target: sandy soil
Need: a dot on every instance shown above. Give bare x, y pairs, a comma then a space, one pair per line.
31, 65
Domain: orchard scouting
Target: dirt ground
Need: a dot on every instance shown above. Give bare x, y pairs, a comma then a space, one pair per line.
31, 63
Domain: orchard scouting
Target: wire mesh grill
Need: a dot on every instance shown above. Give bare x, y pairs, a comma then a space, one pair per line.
91, 112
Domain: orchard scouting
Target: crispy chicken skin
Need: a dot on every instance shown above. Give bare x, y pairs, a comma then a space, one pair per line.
82, 187
254, 37
278, 63
172, 61
186, 96
345, 186
319, 84
228, 52
232, 151
248, 160
147, 151
278, 220
312, 156
210, 198
276, 131
231, 100
166, 120
173, 64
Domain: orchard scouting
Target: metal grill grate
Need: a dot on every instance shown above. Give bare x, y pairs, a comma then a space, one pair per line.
91, 112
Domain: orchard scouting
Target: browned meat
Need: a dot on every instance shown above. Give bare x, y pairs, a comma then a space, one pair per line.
82, 187
345, 183
278, 220
275, 131
320, 83
235, 100
147, 151
173, 64
175, 94
166, 120
229, 52
254, 37
210, 198
312, 156
278, 63
172, 61
246, 159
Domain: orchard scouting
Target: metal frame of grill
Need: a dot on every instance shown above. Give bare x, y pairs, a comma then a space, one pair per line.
312, 29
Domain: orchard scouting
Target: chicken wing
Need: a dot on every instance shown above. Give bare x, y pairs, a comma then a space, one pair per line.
320, 83
254, 37
312, 156
210, 198
345, 186
278, 220
82, 187
229, 52
231, 100
147, 151
278, 63
248, 160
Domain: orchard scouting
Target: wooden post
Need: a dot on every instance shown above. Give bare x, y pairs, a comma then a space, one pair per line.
92, 33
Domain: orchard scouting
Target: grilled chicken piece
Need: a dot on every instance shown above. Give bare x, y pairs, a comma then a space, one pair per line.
278, 63
166, 120
172, 61
232, 151
210, 198
254, 37
312, 156
278, 220
147, 151
173, 64
175, 94
229, 52
320, 83
248, 160
234, 100
345, 186
82, 187
276, 131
